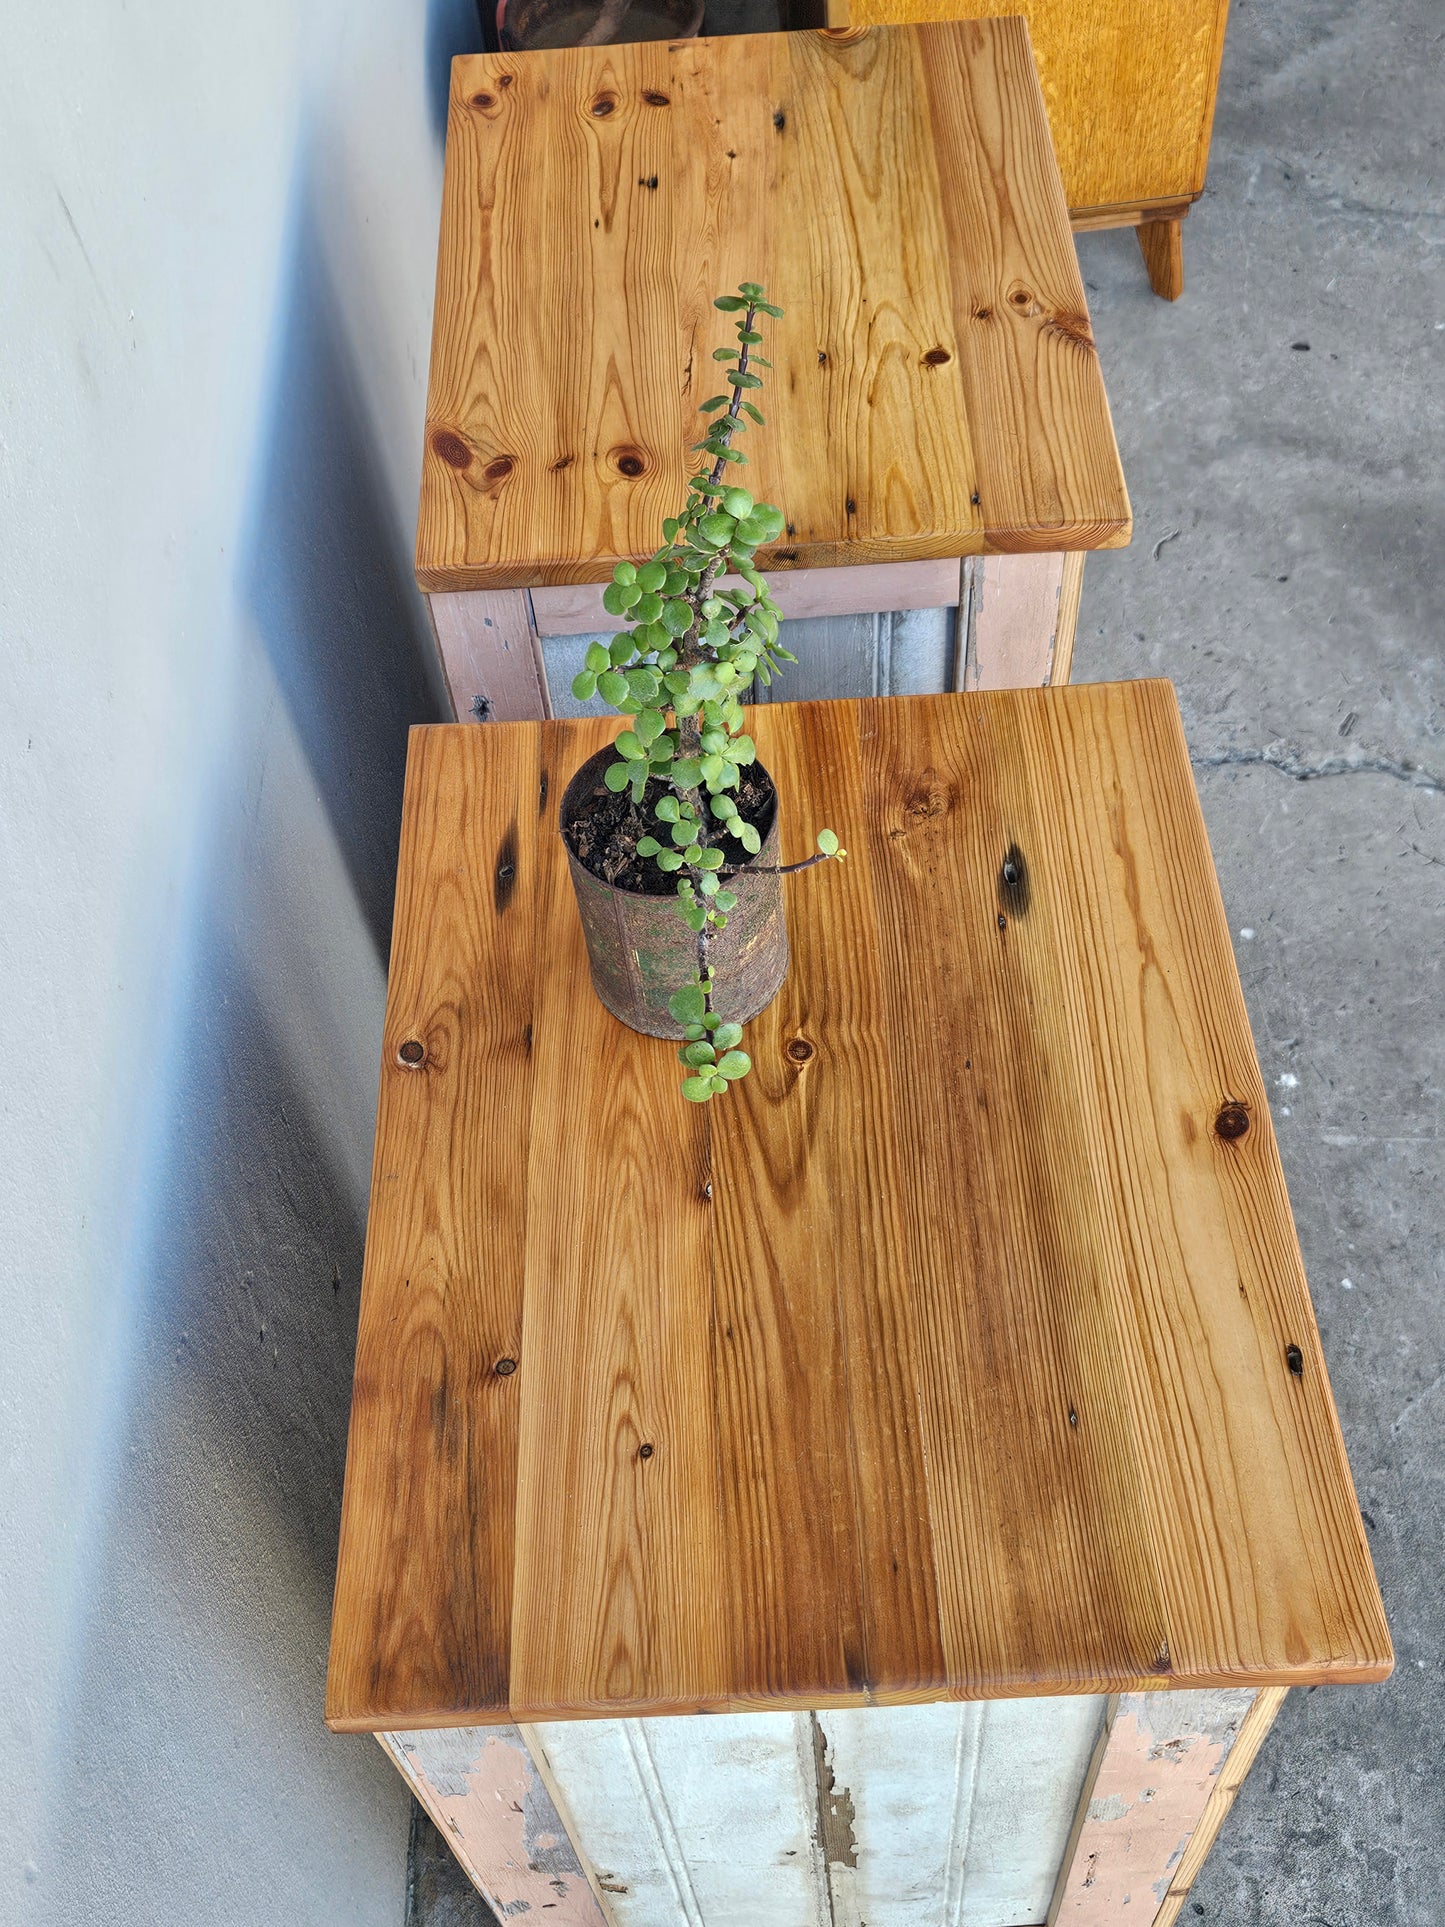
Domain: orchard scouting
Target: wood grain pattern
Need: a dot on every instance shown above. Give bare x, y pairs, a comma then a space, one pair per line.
975, 1362
597, 198
1010, 611
1129, 85
1162, 245
490, 656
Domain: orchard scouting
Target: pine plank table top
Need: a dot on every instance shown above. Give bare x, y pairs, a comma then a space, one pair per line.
936, 390
973, 1358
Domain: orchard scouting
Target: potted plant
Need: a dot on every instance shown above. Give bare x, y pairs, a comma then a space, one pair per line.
672, 833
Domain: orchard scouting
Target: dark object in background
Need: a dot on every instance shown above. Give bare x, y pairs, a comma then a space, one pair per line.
438, 1893
526, 25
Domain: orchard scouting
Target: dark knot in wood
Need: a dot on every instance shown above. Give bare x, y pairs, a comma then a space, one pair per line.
450, 447
644, 1451
500, 469
799, 1050
412, 1052
937, 356
655, 99
1295, 1359
1232, 1121
603, 105
629, 462
504, 1367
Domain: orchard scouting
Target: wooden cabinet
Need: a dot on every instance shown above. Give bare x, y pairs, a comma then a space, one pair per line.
1129, 86
962, 1354
936, 417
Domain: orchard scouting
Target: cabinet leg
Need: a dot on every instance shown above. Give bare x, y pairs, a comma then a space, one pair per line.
491, 656
496, 1813
1162, 245
1016, 618
1163, 1776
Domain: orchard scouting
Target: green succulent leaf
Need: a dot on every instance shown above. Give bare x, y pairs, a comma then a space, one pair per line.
612, 687
749, 838
648, 846
669, 860
687, 1005
628, 745
651, 576
584, 686
726, 901
727, 1035
699, 1053
734, 1063
698, 1090
667, 810
730, 303
617, 776
828, 842
626, 572
717, 1085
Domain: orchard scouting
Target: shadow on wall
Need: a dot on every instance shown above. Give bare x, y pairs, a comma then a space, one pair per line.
330, 586
452, 27
195, 1780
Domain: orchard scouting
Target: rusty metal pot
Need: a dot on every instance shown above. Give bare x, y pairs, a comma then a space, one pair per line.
526, 25
640, 949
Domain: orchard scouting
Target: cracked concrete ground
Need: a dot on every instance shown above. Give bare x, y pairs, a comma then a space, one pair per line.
1285, 574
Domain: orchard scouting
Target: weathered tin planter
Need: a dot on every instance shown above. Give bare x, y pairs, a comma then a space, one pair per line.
641, 951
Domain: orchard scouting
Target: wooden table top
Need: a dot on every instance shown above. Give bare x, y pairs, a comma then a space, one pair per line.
936, 391
973, 1359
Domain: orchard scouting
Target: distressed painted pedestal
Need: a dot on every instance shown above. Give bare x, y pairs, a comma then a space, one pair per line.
1002, 1813
903, 1490
937, 433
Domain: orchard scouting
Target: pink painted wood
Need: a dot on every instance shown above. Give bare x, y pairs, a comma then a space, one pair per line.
1158, 1765
575, 609
482, 1788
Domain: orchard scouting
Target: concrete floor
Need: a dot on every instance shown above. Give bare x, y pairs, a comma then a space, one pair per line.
1285, 575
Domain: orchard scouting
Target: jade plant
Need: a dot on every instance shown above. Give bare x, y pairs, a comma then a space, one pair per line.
703, 626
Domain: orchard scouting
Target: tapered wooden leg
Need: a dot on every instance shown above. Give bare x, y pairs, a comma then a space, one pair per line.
492, 1806
1016, 619
1163, 1776
491, 656
1162, 245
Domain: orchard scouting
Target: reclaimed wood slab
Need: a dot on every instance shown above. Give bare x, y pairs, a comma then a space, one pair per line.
963, 1351
936, 390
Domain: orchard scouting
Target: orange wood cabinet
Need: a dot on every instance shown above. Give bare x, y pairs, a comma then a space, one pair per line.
1130, 88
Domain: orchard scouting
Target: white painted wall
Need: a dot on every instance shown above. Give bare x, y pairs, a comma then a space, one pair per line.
217, 233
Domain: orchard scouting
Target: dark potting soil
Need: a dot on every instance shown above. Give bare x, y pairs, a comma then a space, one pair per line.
607, 827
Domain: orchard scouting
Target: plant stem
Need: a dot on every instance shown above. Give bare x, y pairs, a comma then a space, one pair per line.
689, 654
772, 869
